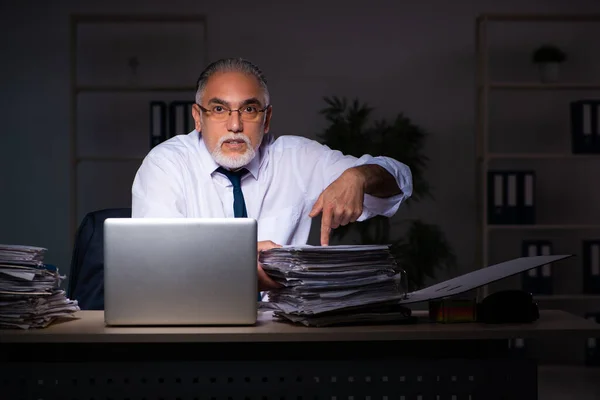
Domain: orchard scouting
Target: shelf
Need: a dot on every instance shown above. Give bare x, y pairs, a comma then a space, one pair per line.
539, 17
499, 156
163, 18
80, 164
121, 89
568, 297
542, 227
489, 85
108, 159
578, 304
542, 86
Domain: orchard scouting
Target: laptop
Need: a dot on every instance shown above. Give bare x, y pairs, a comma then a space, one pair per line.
180, 271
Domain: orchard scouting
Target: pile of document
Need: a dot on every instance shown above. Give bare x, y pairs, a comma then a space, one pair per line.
334, 285
30, 294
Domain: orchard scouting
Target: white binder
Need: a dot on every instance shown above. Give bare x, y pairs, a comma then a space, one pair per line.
480, 277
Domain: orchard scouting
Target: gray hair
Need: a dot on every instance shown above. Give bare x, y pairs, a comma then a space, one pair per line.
231, 65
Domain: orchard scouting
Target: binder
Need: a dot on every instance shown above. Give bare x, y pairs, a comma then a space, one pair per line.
497, 213
511, 197
526, 182
502, 197
592, 351
537, 280
180, 118
158, 122
591, 266
585, 126
475, 279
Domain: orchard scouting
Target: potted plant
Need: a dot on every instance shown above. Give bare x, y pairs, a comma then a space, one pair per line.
548, 59
419, 247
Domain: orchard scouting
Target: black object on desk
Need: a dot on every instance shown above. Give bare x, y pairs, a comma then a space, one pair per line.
508, 306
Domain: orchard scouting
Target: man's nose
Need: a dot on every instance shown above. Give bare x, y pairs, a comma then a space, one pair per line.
234, 123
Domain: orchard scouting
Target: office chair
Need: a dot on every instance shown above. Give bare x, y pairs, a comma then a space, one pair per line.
86, 279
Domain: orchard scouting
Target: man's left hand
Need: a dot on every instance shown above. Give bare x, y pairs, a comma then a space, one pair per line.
264, 281
340, 203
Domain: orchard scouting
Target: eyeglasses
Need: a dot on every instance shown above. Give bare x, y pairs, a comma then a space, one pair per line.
248, 113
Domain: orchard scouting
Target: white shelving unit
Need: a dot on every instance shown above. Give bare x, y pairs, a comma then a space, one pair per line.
79, 88
485, 87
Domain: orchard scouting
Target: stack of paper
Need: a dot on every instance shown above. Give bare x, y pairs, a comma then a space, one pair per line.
30, 294
331, 285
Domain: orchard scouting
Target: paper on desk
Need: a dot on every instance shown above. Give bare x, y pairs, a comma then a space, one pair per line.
307, 306
25, 275
332, 280
390, 313
28, 280
347, 273
480, 277
38, 323
322, 283
329, 249
25, 311
29, 289
22, 255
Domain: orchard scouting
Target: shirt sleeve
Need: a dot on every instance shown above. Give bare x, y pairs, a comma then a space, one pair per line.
334, 163
157, 190
387, 206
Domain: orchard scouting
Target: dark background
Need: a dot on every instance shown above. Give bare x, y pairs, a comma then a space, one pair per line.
414, 57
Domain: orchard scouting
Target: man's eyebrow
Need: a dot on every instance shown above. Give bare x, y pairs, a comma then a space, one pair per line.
252, 100
216, 100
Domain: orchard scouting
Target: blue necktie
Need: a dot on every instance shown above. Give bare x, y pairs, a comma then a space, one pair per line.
239, 206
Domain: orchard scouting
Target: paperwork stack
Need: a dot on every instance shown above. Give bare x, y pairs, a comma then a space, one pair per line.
30, 294
334, 285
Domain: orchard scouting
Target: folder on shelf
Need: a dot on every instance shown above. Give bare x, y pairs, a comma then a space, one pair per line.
499, 211
180, 118
511, 197
591, 266
592, 353
537, 280
585, 126
526, 203
158, 122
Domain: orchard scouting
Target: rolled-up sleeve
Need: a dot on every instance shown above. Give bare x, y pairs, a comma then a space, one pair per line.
333, 163
387, 206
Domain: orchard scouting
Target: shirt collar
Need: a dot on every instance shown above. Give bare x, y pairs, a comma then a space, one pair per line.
253, 167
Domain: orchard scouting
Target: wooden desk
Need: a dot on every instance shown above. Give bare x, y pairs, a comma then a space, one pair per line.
84, 359
90, 328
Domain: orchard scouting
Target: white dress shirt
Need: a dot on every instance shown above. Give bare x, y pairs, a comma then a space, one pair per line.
178, 178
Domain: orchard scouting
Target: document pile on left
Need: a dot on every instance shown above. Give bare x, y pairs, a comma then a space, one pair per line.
30, 294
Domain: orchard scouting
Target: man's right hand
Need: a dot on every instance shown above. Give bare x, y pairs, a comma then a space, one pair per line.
340, 203
264, 282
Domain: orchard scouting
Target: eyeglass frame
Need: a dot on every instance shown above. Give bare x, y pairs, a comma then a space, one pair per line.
206, 110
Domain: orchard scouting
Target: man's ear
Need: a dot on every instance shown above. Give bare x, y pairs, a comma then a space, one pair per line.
268, 113
196, 113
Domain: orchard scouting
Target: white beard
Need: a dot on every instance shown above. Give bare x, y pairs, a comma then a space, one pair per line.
237, 161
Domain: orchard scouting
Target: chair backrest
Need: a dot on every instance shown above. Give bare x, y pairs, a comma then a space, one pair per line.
86, 278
